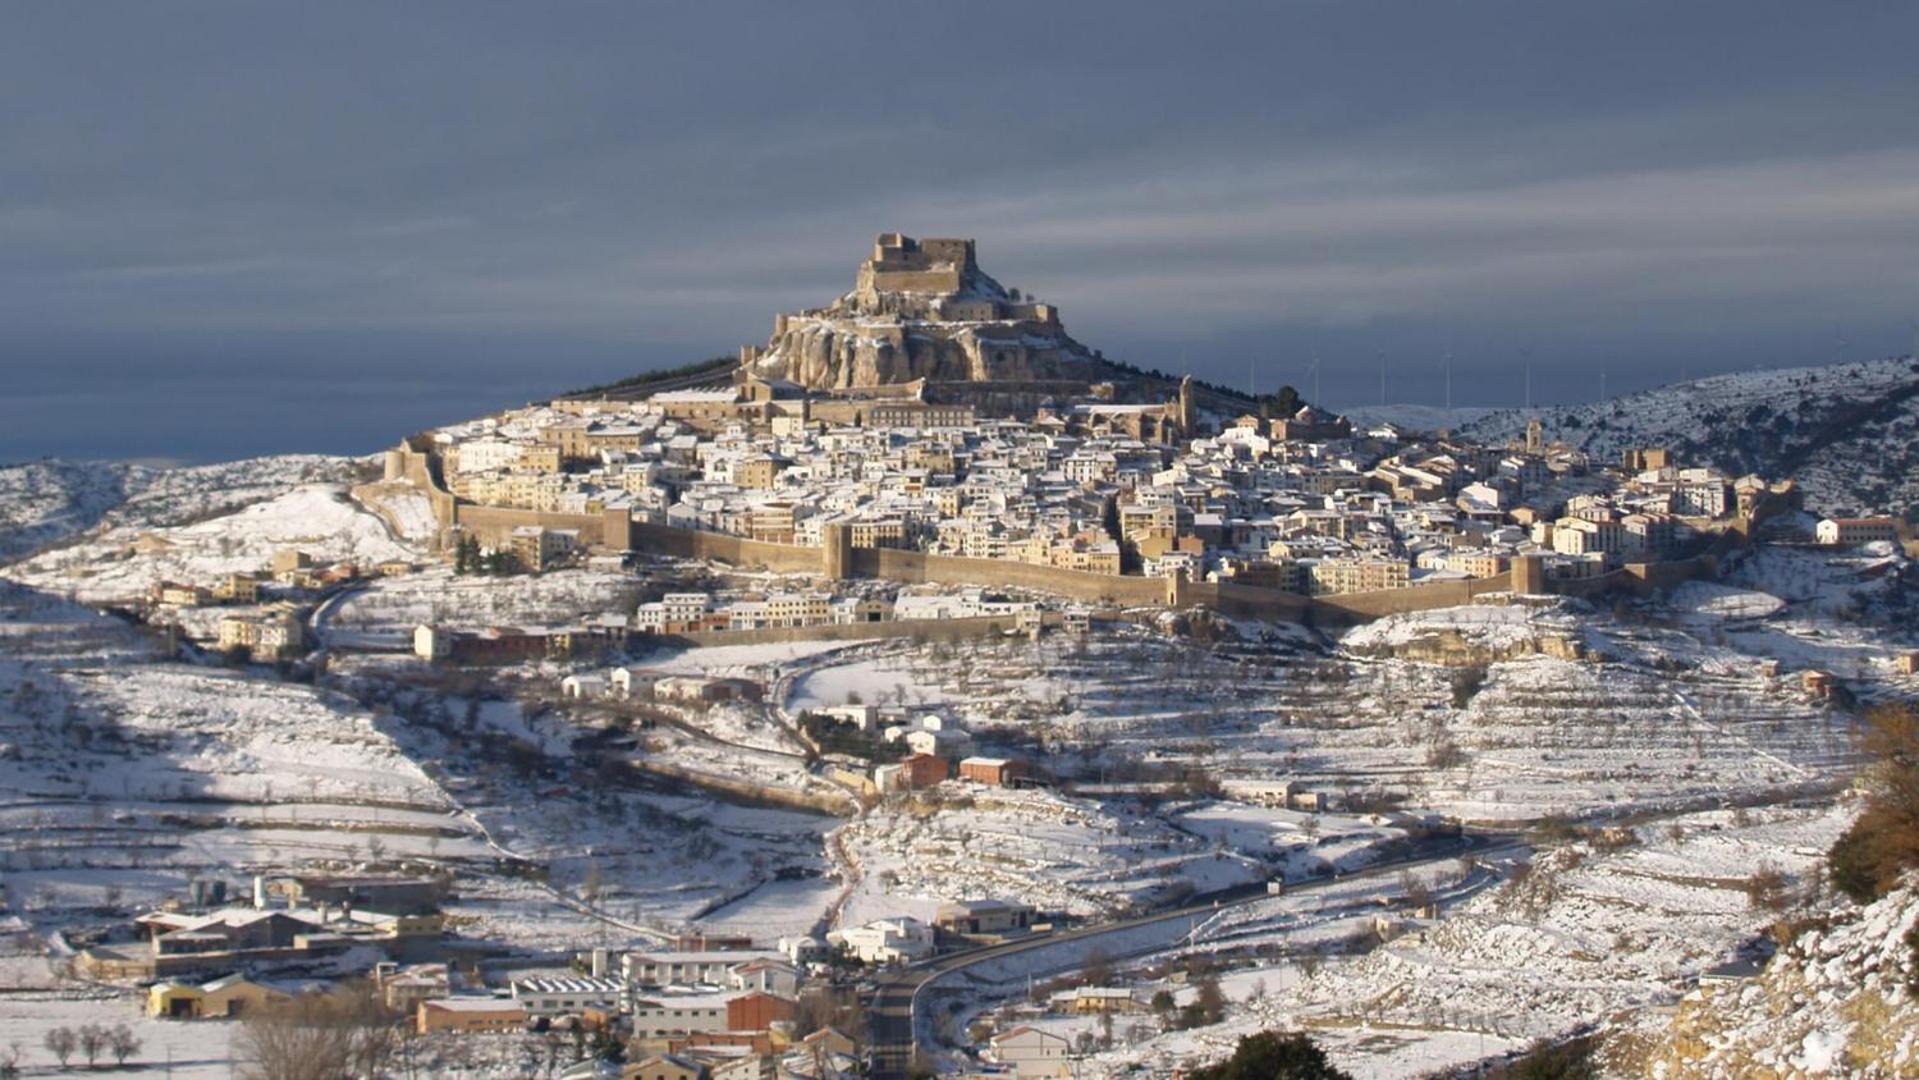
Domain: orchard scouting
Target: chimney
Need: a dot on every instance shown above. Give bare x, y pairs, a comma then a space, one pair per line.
260, 892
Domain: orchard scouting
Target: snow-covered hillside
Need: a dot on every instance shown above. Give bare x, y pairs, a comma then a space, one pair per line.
1842, 998
1849, 433
46, 502
318, 519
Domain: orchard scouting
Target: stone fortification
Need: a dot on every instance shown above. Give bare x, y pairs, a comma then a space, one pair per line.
923, 309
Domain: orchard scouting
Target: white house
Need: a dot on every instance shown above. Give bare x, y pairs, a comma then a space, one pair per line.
887, 941
1855, 530
628, 682
679, 1014
688, 968
565, 997
944, 743
583, 686
1033, 1054
772, 976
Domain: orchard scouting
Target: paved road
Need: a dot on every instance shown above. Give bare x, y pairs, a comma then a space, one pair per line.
892, 1004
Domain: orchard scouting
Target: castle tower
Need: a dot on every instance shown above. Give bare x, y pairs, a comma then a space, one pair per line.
1529, 575
836, 551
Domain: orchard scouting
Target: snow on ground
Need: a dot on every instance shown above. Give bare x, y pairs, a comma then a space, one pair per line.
48, 502
407, 509
735, 659
1746, 421
1418, 417
318, 519
885, 679
1837, 1000
1492, 627
1708, 600
1588, 934
388, 609
1075, 856
128, 773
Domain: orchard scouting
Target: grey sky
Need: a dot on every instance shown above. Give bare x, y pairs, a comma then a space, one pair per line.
338, 221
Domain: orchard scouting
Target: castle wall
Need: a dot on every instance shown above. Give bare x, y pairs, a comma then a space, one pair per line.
914, 567
616, 529
738, 550
943, 280
491, 525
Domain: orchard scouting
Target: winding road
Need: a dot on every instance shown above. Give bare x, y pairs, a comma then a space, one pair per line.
892, 1008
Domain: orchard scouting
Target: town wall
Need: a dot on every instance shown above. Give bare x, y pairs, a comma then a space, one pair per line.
918, 567
915, 567
413, 464
1362, 606
493, 524
738, 550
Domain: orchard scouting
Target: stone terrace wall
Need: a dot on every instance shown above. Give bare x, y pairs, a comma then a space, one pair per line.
931, 629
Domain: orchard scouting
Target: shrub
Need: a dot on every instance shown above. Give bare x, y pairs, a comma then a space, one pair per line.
1555, 1061
1271, 1055
1868, 860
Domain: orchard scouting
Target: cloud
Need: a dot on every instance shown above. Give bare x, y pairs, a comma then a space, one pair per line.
615, 184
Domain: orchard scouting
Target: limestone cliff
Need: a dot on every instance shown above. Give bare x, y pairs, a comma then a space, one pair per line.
923, 309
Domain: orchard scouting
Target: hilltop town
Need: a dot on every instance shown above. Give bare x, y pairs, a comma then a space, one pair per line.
922, 691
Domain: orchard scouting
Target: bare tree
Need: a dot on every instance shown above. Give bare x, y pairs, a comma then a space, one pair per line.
61, 1042
317, 1037
93, 1040
123, 1043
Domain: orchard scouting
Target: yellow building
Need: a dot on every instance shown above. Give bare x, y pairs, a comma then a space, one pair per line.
471, 1015
231, 996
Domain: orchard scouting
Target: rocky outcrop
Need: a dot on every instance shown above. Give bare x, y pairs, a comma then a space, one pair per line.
1840, 999
923, 310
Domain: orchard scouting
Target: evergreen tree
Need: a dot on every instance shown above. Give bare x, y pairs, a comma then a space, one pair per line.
1270, 1055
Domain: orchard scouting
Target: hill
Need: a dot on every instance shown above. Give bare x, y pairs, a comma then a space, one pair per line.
1849, 433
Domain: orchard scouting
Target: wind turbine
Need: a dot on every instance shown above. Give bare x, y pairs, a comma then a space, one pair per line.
1914, 324
1839, 344
1448, 361
1314, 372
1527, 356
1382, 367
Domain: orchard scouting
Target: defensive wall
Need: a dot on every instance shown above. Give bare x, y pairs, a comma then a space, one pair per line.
916, 567
738, 550
837, 559
412, 462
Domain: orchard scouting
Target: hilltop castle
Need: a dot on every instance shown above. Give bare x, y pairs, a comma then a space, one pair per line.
922, 310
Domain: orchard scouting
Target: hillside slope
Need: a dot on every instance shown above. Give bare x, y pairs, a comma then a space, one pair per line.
1848, 432
1841, 999
43, 503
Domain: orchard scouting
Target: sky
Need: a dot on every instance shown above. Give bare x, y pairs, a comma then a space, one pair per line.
230, 229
